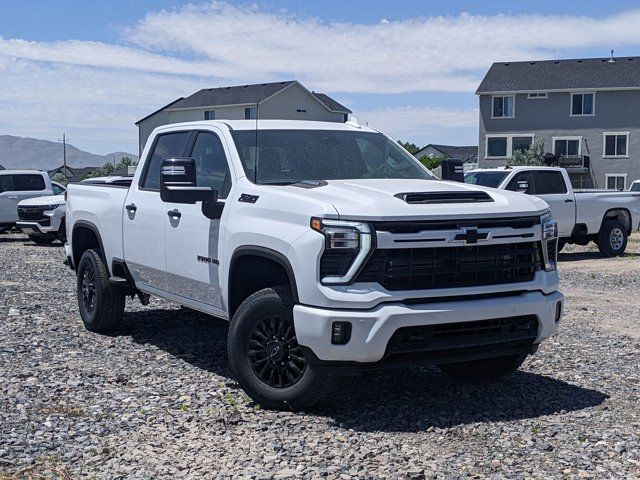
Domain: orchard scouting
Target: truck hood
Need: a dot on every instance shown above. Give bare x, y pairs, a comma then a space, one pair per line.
39, 201
382, 199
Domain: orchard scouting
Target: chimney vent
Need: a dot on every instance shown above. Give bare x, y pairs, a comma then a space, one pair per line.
611, 60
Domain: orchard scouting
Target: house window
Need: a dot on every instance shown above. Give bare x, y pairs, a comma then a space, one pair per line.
566, 147
301, 110
538, 95
345, 118
497, 147
616, 181
503, 107
210, 115
616, 144
503, 146
250, 113
521, 143
582, 104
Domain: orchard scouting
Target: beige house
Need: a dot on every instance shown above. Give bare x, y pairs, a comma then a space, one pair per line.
278, 100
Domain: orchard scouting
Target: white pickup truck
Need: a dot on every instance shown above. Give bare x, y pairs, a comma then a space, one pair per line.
606, 217
327, 247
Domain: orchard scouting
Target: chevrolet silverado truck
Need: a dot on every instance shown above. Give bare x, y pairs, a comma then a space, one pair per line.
42, 218
606, 217
329, 248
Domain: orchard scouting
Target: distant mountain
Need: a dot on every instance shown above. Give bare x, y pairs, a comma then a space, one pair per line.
32, 153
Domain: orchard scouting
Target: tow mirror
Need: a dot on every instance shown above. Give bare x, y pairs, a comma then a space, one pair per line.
523, 186
178, 183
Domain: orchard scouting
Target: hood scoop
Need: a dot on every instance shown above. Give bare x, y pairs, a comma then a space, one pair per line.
444, 197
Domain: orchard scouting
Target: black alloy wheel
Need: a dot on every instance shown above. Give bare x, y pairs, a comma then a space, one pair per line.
274, 354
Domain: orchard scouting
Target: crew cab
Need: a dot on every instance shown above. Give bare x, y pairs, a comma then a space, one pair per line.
328, 247
606, 217
17, 185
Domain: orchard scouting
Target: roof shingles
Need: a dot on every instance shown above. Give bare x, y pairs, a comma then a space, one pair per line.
588, 73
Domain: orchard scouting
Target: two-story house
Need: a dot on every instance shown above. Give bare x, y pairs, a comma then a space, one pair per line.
587, 112
276, 100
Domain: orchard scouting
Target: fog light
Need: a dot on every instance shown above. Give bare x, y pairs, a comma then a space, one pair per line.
558, 311
340, 333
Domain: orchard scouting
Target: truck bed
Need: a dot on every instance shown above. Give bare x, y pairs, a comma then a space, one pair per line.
101, 205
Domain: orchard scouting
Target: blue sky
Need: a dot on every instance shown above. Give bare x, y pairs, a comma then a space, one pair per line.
407, 67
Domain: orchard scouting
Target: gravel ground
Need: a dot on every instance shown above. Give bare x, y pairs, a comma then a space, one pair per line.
158, 399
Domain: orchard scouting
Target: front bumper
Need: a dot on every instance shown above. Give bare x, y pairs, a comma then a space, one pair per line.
35, 227
372, 329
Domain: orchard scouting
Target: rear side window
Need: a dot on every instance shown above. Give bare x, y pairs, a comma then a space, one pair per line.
22, 183
549, 183
166, 146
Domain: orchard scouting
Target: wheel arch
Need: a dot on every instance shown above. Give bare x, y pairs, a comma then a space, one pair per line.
86, 235
623, 215
274, 269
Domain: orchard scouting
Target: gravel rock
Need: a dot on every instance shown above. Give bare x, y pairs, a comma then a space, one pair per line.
158, 400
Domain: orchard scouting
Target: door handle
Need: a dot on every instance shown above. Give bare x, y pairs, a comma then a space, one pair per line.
568, 200
131, 208
12, 197
174, 213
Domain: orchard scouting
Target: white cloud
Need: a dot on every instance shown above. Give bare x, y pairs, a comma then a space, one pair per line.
100, 89
421, 125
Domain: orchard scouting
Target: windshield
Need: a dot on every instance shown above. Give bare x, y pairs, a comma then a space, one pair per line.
485, 179
290, 156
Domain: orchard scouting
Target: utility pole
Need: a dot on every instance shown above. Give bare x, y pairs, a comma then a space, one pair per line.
64, 153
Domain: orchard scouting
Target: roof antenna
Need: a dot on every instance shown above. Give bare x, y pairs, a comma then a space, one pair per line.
255, 168
611, 60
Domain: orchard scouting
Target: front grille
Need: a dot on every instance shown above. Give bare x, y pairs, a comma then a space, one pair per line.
479, 334
31, 214
451, 267
421, 226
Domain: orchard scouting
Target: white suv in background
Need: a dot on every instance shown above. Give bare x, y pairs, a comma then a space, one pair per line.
17, 185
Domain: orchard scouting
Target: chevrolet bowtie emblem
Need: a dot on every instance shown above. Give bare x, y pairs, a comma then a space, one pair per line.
470, 235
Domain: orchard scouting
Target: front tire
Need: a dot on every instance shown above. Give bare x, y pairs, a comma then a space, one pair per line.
101, 304
612, 239
484, 370
265, 355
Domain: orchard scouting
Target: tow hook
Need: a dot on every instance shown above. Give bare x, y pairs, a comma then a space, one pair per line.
144, 298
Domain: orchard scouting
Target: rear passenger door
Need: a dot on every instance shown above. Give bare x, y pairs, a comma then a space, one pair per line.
144, 214
552, 188
193, 240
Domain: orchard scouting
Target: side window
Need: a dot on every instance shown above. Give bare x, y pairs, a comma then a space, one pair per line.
29, 183
212, 169
522, 177
549, 183
6, 183
166, 146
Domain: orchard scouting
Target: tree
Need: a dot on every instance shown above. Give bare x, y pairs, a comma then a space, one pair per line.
108, 168
431, 162
60, 178
532, 157
412, 148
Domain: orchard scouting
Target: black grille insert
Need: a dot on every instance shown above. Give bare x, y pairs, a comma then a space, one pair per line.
450, 267
420, 226
520, 330
31, 214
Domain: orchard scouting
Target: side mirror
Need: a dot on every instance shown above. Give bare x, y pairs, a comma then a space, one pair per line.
523, 187
178, 183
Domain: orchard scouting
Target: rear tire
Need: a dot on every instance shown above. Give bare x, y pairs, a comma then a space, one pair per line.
265, 355
43, 239
101, 304
612, 239
484, 370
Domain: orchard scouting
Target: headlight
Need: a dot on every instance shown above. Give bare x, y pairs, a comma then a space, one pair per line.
549, 242
346, 247
51, 207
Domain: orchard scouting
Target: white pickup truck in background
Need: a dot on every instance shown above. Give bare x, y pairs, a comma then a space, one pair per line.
606, 217
328, 247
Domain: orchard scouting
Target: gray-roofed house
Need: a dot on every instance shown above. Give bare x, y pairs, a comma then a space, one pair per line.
277, 100
465, 153
585, 110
